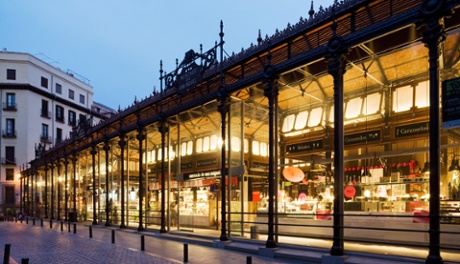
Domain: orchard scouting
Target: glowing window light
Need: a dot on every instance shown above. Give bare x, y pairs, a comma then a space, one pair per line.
189, 147
183, 149
213, 143
402, 99
199, 145
246, 145
301, 120
255, 147
236, 144
263, 149
422, 95
354, 107
206, 144
316, 115
288, 123
372, 104
160, 151
172, 153
153, 156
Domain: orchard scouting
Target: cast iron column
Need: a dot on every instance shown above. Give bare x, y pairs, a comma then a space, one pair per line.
93, 153
107, 209
66, 189
74, 164
21, 194
122, 144
52, 190
21, 198
336, 67
32, 175
59, 192
140, 137
163, 130
46, 191
271, 92
433, 37
222, 108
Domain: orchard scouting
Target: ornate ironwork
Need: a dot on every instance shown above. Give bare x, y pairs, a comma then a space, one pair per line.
189, 72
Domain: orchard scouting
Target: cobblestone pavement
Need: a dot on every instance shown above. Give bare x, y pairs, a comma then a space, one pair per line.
42, 244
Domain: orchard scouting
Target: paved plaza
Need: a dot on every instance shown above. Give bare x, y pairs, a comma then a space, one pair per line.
40, 242
45, 245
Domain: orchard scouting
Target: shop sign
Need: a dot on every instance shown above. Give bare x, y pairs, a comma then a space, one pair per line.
451, 103
186, 165
206, 162
236, 171
412, 129
305, 146
260, 165
201, 175
359, 138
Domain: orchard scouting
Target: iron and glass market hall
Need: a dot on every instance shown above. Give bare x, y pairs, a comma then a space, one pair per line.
342, 128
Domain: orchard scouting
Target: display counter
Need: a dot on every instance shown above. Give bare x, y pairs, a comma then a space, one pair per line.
365, 226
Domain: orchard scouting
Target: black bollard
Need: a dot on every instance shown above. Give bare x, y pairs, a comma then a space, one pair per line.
142, 243
62, 226
68, 226
90, 232
25, 261
185, 252
248, 260
41, 222
6, 255
113, 236
33, 220
51, 223
27, 220
74, 228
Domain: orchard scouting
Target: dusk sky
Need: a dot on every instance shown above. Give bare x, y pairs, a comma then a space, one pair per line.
118, 44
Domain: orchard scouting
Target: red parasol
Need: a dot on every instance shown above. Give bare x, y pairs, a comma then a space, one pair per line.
293, 174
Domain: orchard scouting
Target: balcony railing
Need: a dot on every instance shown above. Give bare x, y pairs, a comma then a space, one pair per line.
45, 139
8, 161
9, 106
9, 134
46, 114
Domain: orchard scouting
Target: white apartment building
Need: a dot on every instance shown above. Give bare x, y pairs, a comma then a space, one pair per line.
40, 106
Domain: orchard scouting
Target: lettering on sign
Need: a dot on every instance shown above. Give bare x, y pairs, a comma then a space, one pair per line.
412, 129
362, 137
305, 146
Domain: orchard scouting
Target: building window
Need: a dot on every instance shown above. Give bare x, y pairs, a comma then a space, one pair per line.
9, 128
10, 74
82, 99
45, 112
10, 102
9, 195
44, 82
44, 134
72, 118
59, 113
82, 119
58, 88
9, 174
9, 156
58, 135
71, 94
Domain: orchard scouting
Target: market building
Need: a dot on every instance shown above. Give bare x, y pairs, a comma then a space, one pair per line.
330, 129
